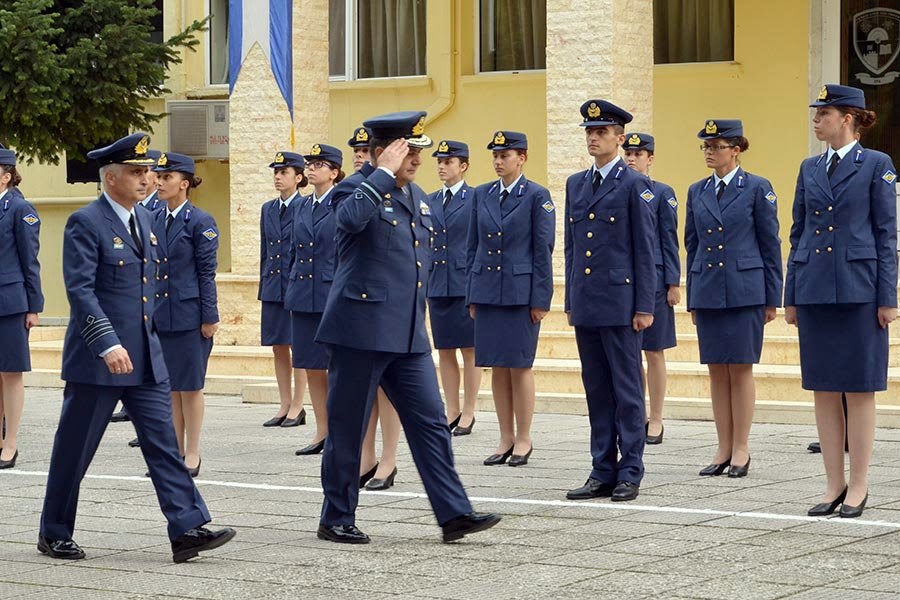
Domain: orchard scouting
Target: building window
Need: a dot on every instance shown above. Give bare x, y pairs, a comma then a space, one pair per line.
376, 38
513, 35
686, 31
156, 23
217, 42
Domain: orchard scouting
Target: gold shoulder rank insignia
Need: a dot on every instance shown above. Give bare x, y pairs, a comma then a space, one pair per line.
711, 128
593, 110
210, 234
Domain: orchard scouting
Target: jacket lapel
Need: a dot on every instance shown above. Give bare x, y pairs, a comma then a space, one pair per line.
820, 175
177, 224
492, 203
457, 201
732, 191
274, 219
847, 167
708, 199
609, 183
116, 224
514, 199
305, 213
147, 235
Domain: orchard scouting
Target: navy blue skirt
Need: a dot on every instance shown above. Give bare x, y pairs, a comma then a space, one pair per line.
276, 324
306, 353
451, 325
15, 357
187, 355
505, 336
842, 348
661, 335
730, 336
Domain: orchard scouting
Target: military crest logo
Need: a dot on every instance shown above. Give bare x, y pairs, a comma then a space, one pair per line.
362, 135
31, 219
771, 197
889, 177
876, 40
443, 147
153, 240
424, 209
548, 206
118, 244
634, 140
279, 158
210, 234
672, 202
419, 128
142, 146
711, 128
163, 160
316, 150
647, 195
593, 110
499, 139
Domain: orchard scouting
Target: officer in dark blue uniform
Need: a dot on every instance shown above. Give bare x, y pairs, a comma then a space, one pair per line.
275, 224
841, 287
312, 271
187, 314
20, 299
611, 284
374, 326
640, 149
451, 326
734, 283
112, 351
359, 142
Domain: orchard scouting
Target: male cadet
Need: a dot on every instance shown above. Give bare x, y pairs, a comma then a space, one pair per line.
360, 144
112, 352
374, 327
610, 287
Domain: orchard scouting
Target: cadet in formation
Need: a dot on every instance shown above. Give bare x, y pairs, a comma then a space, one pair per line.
187, 314
374, 326
611, 283
841, 288
112, 352
734, 283
21, 300
510, 284
359, 144
451, 327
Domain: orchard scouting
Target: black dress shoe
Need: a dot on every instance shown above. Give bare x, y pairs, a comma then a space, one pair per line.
498, 459
815, 448
314, 448
342, 534
456, 529
851, 512
298, 420
656, 439
716, 468
382, 484
826, 508
452, 424
135, 443
625, 491
196, 470
365, 477
275, 421
119, 417
520, 460
735, 471
193, 541
460, 430
9, 464
66, 549
591, 489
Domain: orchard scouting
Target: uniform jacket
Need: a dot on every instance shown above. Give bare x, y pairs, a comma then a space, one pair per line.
153, 205
275, 249
312, 255
844, 236
733, 250
447, 278
665, 251
510, 247
377, 299
20, 271
111, 289
186, 285
610, 240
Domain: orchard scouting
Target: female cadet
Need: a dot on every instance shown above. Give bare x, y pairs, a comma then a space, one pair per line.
20, 299
451, 327
187, 314
275, 226
312, 255
510, 284
734, 283
841, 288
639, 153
359, 143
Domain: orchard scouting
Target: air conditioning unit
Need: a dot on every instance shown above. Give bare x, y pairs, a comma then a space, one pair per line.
199, 128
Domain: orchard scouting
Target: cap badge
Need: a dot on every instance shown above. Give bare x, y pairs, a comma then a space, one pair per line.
823, 95
443, 147
279, 158
593, 110
711, 128
362, 135
163, 160
499, 139
419, 128
316, 150
141, 148
634, 140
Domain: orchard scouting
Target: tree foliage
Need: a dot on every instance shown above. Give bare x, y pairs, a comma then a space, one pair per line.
78, 73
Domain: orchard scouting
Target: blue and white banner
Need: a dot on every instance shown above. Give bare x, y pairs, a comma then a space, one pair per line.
267, 23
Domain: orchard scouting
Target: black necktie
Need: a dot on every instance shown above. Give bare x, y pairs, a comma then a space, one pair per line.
503, 196
720, 191
282, 209
447, 196
169, 220
315, 206
835, 159
135, 236
597, 180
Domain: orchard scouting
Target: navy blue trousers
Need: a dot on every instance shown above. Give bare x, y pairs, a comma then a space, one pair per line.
85, 414
410, 381
611, 373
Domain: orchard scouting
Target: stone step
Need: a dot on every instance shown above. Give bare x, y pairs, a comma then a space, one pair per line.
43, 333
215, 384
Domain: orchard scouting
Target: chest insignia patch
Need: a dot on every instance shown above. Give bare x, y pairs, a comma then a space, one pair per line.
548, 206
153, 240
210, 234
672, 202
424, 209
31, 219
771, 197
889, 176
118, 244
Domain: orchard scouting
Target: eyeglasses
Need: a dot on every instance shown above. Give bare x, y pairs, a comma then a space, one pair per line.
318, 164
708, 148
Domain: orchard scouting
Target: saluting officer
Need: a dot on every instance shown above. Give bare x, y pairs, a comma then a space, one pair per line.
21, 299
374, 325
451, 326
359, 142
275, 222
841, 288
640, 149
610, 289
734, 283
112, 351
187, 313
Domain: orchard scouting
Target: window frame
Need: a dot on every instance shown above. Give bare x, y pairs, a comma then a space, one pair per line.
477, 41
207, 50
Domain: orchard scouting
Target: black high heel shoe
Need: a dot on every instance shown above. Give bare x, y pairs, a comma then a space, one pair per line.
196, 470
735, 471
498, 459
520, 460
382, 484
460, 430
365, 477
826, 508
9, 464
851, 512
452, 424
298, 420
275, 421
656, 439
716, 468
314, 448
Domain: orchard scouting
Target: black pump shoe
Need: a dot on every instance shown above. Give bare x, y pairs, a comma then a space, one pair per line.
298, 420
498, 459
314, 448
9, 464
656, 439
520, 460
460, 430
716, 468
826, 508
377, 485
851, 512
735, 471
196, 470
365, 477
452, 424
275, 421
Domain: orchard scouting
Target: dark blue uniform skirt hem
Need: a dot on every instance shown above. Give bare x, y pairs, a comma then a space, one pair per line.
15, 357
842, 348
730, 336
306, 353
451, 326
276, 325
661, 335
505, 336
187, 355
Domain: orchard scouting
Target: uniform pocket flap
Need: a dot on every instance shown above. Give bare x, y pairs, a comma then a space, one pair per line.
188, 292
753, 262
610, 216
861, 253
11, 277
522, 269
366, 292
620, 276
801, 256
